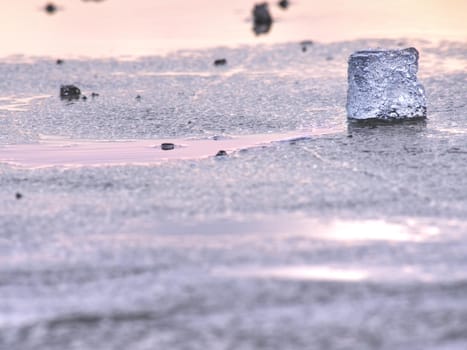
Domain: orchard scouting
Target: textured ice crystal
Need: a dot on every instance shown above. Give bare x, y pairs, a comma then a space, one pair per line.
383, 84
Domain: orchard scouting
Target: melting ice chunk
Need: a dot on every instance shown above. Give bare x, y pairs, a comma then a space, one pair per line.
383, 85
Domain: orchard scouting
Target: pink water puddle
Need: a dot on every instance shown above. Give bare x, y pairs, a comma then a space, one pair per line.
69, 152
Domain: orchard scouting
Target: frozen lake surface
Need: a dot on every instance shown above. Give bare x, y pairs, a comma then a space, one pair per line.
311, 233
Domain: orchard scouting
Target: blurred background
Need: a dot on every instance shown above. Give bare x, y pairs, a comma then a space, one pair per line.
149, 27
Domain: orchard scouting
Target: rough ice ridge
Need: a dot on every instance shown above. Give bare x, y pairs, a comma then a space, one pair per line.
383, 85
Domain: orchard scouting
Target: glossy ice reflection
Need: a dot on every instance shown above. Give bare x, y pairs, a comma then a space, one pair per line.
18, 104
379, 230
343, 274
317, 273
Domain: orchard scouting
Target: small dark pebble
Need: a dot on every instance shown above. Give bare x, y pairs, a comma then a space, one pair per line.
220, 62
262, 19
94, 94
69, 92
167, 146
221, 153
349, 136
284, 4
138, 97
59, 61
303, 48
18, 195
50, 8
84, 98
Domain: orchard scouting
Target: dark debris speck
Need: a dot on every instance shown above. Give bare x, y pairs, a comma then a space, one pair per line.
167, 146
221, 153
220, 62
262, 19
18, 195
284, 4
50, 8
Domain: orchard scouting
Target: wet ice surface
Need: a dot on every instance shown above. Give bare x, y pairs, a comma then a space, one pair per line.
350, 239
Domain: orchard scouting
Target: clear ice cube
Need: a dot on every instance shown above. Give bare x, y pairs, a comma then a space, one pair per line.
383, 85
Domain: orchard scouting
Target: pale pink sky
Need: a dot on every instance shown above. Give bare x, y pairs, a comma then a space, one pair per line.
142, 27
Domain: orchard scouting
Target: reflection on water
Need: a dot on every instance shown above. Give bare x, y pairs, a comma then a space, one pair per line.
119, 27
56, 151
